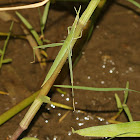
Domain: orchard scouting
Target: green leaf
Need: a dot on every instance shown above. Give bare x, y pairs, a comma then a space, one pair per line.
126, 93
129, 129
96, 89
6, 61
127, 111
29, 138
44, 17
135, 3
48, 45
5, 44
119, 104
29, 26
45, 99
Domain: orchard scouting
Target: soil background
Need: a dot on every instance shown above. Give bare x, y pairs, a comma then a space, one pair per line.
109, 59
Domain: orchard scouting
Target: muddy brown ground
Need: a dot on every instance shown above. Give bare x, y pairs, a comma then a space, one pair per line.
110, 59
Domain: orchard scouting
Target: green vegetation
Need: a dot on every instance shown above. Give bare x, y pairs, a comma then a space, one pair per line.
129, 129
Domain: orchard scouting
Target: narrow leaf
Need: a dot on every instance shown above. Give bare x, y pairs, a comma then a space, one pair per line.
119, 104
127, 111
29, 26
96, 89
29, 138
45, 99
5, 44
48, 45
7, 61
44, 17
129, 129
126, 93
135, 3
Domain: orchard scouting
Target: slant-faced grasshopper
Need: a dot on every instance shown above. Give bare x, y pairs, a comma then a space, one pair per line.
65, 46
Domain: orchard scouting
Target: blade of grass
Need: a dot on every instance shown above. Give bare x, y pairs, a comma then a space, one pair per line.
5, 61
127, 111
96, 89
44, 17
126, 93
16, 109
118, 101
31, 29
29, 138
134, 2
49, 45
46, 46
5, 45
4, 93
46, 99
130, 129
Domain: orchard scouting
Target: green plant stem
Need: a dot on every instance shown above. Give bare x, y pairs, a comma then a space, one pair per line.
16, 109
46, 87
5, 45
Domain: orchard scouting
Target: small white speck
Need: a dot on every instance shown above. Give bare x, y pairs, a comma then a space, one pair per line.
69, 133
77, 83
110, 71
100, 52
97, 26
100, 119
131, 69
67, 99
112, 63
86, 118
127, 71
53, 106
59, 114
46, 121
76, 103
106, 122
88, 77
80, 124
62, 95
117, 72
78, 111
103, 66
102, 82
77, 118
83, 52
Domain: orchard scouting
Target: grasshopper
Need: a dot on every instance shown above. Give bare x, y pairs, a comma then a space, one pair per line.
66, 46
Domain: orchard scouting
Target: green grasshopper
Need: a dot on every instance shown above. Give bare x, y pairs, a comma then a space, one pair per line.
66, 46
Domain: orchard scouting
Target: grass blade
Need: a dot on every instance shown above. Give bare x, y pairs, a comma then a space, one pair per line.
126, 93
127, 111
118, 101
5, 45
46, 99
29, 26
49, 45
96, 89
44, 17
29, 138
135, 3
129, 129
7, 61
